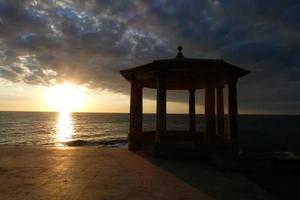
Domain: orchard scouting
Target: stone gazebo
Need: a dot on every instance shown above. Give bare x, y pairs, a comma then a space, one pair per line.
189, 74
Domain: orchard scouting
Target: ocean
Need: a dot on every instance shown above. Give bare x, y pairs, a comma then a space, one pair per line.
257, 132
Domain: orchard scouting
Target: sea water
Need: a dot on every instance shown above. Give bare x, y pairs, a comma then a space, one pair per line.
257, 132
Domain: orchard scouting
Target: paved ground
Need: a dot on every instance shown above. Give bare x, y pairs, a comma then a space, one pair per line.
112, 173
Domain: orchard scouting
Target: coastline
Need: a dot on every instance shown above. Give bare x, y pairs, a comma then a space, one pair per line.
45, 172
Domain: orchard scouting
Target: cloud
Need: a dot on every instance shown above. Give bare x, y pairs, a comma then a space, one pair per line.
88, 42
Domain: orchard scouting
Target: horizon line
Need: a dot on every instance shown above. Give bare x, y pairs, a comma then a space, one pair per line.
38, 111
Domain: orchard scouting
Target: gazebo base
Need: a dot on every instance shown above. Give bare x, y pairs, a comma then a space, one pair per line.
185, 145
193, 151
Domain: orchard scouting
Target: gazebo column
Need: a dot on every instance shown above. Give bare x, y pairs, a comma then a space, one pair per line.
192, 112
210, 119
161, 108
232, 110
136, 113
220, 111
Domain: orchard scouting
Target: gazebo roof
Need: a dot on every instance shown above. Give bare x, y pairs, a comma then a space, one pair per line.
184, 73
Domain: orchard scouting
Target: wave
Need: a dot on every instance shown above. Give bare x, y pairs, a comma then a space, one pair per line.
116, 142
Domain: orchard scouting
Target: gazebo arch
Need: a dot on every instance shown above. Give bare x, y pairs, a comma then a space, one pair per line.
190, 74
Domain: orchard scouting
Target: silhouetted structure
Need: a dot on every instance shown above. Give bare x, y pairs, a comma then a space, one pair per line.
189, 74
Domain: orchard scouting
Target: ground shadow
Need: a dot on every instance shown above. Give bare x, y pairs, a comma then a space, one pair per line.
205, 177
281, 184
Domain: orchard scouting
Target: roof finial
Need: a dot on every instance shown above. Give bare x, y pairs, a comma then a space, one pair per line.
179, 54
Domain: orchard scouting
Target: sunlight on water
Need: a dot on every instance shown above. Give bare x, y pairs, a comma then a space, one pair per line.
64, 127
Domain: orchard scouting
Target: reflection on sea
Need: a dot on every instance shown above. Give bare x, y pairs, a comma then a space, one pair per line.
64, 127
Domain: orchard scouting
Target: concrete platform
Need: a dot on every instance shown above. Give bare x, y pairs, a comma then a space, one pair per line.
113, 173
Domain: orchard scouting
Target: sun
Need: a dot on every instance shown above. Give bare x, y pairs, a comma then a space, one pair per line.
66, 97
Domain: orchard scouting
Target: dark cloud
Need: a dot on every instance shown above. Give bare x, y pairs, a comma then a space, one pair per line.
46, 42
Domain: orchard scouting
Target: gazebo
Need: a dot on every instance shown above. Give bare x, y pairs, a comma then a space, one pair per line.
189, 74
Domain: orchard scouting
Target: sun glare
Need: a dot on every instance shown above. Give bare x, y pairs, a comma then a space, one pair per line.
66, 97
64, 129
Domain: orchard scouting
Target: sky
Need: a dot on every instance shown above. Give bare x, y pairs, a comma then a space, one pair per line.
45, 43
